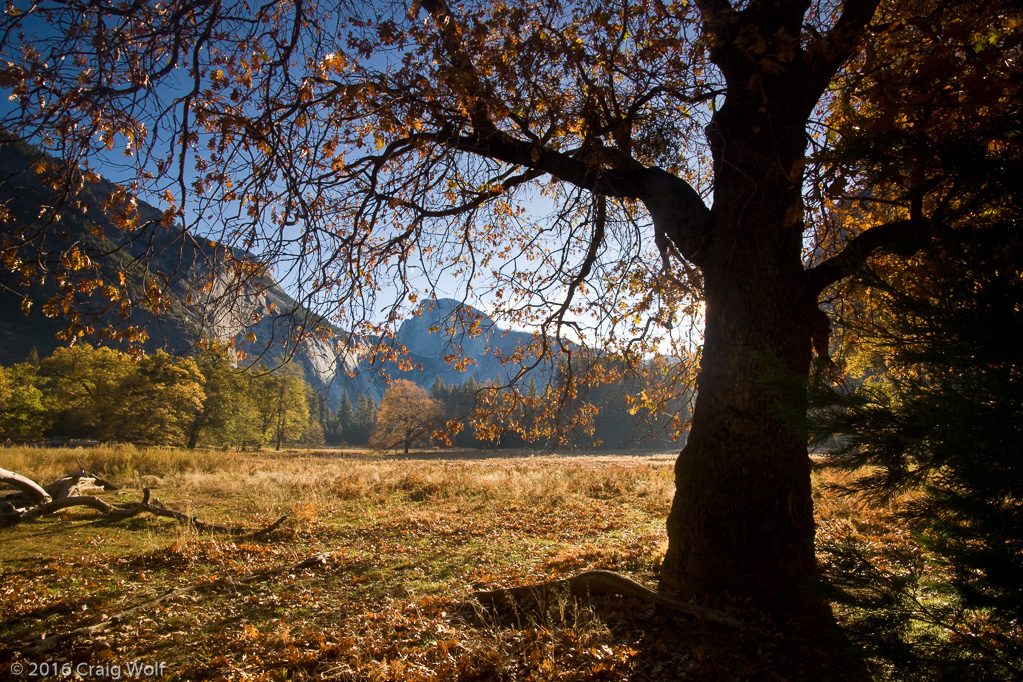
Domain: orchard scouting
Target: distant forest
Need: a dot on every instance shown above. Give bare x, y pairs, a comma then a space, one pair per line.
86, 393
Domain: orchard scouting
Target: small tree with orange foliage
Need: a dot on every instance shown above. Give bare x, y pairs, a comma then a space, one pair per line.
407, 416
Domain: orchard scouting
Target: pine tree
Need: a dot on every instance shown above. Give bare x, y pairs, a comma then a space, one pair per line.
939, 417
365, 419
439, 390
345, 420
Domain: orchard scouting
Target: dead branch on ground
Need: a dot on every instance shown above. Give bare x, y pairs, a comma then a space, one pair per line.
27, 486
34, 501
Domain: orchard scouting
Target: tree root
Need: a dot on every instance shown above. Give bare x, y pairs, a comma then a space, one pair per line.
66, 493
48, 643
602, 583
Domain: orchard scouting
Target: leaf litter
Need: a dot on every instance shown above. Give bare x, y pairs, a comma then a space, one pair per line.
392, 602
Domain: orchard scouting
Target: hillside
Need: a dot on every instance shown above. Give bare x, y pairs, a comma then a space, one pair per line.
230, 308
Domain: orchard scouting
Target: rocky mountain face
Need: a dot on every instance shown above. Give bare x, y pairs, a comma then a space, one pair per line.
458, 331
208, 299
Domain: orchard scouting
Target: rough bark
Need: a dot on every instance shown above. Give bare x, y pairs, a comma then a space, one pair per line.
741, 522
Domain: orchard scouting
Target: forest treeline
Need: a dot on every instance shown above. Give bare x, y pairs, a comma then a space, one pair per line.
82, 392
86, 392
490, 415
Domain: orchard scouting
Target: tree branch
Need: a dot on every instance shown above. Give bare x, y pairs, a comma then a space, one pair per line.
596, 240
901, 237
827, 53
43, 504
625, 178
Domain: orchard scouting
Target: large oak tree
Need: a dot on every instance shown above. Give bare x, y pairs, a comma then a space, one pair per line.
619, 165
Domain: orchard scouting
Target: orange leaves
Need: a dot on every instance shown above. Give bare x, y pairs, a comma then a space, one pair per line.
458, 361
333, 63
276, 131
75, 260
54, 307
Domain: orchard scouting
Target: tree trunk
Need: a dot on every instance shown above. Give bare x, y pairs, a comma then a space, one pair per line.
741, 522
193, 433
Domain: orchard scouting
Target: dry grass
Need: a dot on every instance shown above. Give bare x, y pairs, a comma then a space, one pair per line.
123, 464
409, 540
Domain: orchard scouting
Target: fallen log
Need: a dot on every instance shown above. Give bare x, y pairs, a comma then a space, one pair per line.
80, 483
30, 488
65, 497
606, 583
77, 501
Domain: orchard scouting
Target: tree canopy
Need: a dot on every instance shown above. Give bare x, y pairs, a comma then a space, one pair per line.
98, 393
407, 417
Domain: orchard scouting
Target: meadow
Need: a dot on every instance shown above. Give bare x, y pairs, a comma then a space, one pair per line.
400, 545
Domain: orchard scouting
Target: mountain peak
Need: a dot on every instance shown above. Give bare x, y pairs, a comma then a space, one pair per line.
439, 310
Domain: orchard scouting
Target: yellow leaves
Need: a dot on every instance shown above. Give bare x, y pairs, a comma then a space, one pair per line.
75, 260
794, 216
55, 306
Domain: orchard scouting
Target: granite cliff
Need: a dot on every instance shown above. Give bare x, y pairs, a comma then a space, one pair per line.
256, 312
